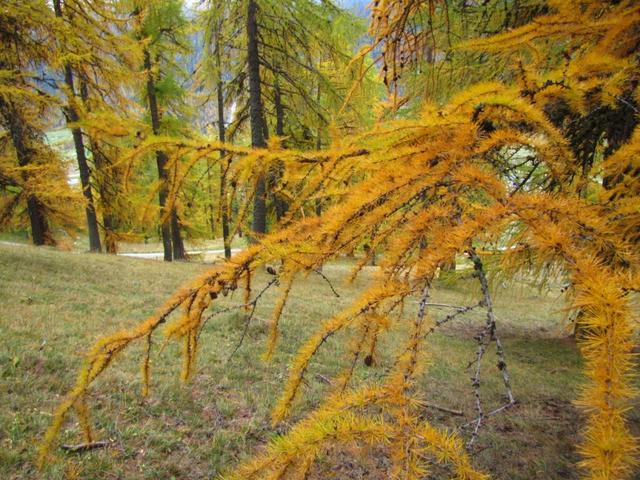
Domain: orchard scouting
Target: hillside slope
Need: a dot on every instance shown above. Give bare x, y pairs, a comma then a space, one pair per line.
55, 304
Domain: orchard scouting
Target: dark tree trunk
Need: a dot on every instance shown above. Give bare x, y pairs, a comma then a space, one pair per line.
109, 220
40, 233
165, 217
224, 167
83, 168
256, 114
105, 188
81, 155
176, 238
23, 136
279, 109
107, 198
161, 162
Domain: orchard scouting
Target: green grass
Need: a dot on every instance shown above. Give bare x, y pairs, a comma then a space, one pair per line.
55, 304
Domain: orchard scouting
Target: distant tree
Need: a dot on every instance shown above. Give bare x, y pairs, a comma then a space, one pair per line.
162, 29
214, 19
273, 86
98, 57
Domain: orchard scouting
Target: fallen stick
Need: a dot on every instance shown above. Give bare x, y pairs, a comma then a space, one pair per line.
323, 379
85, 447
444, 409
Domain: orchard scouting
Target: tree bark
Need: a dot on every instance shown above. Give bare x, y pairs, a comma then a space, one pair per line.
107, 194
209, 207
176, 239
83, 168
256, 114
161, 162
81, 155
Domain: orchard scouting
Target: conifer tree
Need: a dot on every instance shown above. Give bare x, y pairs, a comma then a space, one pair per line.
102, 55
214, 21
256, 113
294, 39
162, 28
72, 116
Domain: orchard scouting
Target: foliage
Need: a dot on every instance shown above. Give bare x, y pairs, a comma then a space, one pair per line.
31, 172
419, 191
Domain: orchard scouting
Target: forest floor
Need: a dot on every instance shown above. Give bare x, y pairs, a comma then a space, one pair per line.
56, 304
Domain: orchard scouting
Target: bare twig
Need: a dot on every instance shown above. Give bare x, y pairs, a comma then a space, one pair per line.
323, 379
319, 272
253, 303
491, 323
488, 414
458, 413
417, 328
475, 383
459, 311
446, 305
241, 305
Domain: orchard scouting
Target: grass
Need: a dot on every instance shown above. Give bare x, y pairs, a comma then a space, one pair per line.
55, 304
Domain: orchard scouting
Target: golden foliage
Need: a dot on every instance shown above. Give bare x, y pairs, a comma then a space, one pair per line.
421, 191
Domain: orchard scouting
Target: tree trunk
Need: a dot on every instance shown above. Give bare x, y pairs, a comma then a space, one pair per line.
83, 168
165, 217
224, 168
81, 155
22, 135
161, 162
107, 197
176, 239
259, 224
318, 145
40, 233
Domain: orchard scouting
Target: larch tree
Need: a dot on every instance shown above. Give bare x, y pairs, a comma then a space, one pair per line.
420, 190
71, 113
280, 66
256, 114
99, 58
162, 28
80, 47
214, 19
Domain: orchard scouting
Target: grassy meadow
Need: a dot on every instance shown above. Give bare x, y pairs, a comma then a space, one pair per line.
55, 304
